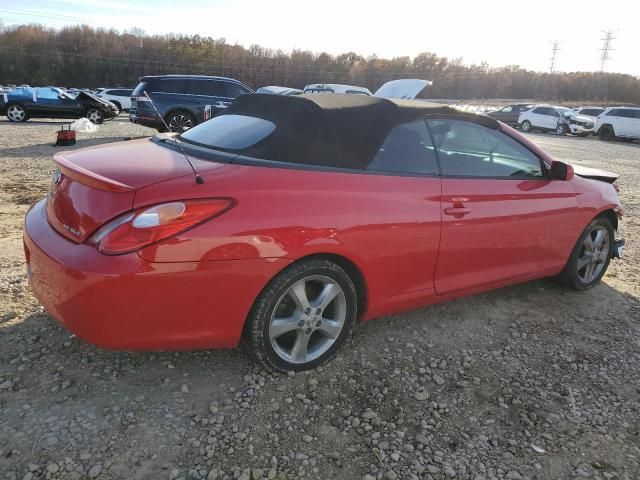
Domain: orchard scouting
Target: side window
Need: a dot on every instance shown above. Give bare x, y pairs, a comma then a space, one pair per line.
234, 90
471, 150
47, 94
407, 149
540, 110
636, 114
209, 88
613, 113
508, 109
170, 85
552, 112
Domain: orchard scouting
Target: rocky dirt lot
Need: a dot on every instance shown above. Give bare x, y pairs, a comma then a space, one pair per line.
532, 381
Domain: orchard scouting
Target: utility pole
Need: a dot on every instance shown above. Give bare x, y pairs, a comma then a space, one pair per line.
555, 48
607, 40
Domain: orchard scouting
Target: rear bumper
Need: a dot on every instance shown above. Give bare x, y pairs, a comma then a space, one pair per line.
126, 303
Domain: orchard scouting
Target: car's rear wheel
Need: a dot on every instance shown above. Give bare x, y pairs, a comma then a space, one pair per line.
606, 133
526, 126
562, 129
95, 115
303, 316
17, 113
180, 120
591, 255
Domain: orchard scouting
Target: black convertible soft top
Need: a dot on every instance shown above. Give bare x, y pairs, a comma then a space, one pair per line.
335, 130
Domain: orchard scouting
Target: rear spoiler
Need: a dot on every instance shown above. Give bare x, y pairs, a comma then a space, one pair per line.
87, 177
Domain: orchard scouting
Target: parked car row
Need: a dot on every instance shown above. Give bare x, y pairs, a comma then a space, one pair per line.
606, 122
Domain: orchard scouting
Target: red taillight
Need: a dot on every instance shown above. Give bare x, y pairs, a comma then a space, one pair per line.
145, 226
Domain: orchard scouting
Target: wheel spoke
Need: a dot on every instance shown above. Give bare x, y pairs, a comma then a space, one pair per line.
330, 328
602, 257
299, 294
583, 262
588, 273
329, 292
299, 350
600, 235
280, 326
588, 243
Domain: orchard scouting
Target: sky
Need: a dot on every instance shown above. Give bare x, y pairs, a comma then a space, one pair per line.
494, 31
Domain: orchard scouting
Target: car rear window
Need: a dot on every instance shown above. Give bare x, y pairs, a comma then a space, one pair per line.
230, 132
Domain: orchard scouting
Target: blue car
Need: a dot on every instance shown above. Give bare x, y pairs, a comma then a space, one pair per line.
182, 101
21, 103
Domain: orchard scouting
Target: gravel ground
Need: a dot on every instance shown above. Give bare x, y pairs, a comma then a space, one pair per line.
531, 381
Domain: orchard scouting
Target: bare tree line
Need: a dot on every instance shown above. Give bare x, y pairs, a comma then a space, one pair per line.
83, 56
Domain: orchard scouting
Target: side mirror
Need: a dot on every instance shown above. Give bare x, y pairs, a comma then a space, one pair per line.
560, 171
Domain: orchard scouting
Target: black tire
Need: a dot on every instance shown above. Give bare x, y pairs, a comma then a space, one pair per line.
178, 120
270, 299
525, 126
95, 115
571, 276
606, 133
17, 113
562, 130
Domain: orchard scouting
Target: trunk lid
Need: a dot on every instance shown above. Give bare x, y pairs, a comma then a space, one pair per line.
94, 185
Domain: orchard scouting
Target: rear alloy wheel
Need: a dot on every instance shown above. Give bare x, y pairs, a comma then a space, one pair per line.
526, 126
180, 121
562, 130
606, 133
17, 113
95, 115
591, 255
303, 316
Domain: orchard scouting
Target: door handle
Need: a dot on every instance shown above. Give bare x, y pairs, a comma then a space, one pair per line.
457, 211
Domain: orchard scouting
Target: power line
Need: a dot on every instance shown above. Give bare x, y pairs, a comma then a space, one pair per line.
554, 53
607, 40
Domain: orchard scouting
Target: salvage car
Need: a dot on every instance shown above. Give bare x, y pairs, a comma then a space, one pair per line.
21, 104
561, 120
286, 219
510, 113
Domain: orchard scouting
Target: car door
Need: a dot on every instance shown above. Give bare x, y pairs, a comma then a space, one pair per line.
404, 175
506, 114
51, 102
537, 117
625, 121
502, 216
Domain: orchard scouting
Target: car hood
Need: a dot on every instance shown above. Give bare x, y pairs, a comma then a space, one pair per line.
92, 97
595, 173
581, 118
408, 88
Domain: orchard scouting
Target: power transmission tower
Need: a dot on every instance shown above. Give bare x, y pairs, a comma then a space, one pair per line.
554, 54
607, 40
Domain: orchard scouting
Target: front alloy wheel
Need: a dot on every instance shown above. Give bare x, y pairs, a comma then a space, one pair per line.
95, 115
303, 316
526, 126
16, 113
561, 129
591, 255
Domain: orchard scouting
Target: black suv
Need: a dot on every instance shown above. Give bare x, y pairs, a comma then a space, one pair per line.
182, 100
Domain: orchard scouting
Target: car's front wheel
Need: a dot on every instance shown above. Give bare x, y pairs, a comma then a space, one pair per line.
303, 316
526, 126
17, 113
95, 115
562, 130
591, 255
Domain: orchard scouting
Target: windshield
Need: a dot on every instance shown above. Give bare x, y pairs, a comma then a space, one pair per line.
565, 112
229, 132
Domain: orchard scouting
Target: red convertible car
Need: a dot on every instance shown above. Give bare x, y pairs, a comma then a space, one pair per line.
286, 219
